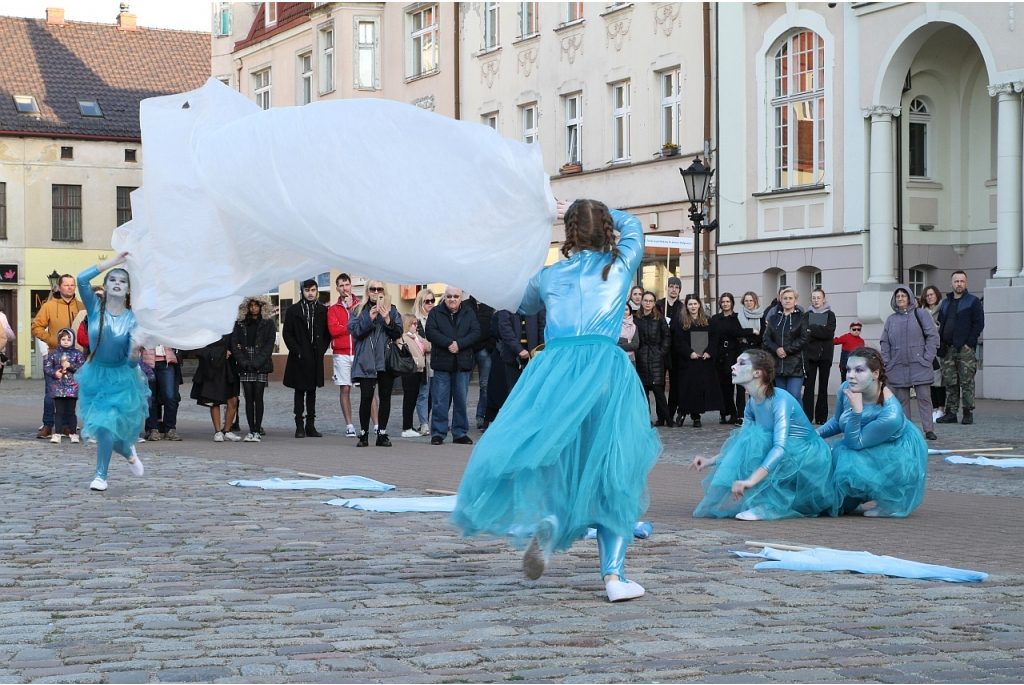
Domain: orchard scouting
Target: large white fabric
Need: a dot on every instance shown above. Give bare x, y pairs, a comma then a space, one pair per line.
236, 200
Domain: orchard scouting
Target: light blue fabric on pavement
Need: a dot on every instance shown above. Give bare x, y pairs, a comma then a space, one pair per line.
825, 559
332, 483
397, 504
642, 531
985, 461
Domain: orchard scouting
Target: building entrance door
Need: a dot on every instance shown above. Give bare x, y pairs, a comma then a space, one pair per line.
9, 306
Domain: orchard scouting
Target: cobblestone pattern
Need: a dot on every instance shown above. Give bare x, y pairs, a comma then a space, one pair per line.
178, 577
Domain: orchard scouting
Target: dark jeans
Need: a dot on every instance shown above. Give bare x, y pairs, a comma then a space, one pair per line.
817, 371
64, 414
309, 406
48, 411
253, 392
410, 393
366, 386
660, 406
483, 369
165, 394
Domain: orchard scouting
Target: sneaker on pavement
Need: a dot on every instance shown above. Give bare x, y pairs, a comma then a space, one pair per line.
248, 437
382, 439
172, 434
55, 438
463, 440
410, 433
948, 417
232, 437
424, 429
218, 437
619, 591
98, 484
74, 438
930, 435
135, 464
256, 437
437, 440
154, 435
350, 431
748, 515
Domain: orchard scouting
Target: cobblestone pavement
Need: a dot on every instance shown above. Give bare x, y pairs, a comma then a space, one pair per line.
179, 577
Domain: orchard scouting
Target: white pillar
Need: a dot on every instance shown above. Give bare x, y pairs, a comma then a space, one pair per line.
881, 212
1009, 230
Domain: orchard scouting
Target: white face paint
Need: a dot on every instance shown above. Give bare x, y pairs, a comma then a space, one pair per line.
116, 284
742, 370
860, 377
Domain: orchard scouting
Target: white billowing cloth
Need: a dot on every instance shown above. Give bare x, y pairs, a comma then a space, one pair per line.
398, 504
1005, 463
332, 483
236, 200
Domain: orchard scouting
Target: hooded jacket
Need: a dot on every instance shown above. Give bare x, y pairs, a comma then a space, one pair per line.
66, 385
266, 335
908, 342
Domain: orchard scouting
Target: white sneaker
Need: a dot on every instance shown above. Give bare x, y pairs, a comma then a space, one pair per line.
218, 437
424, 429
247, 438
140, 439
135, 464
74, 439
55, 439
255, 437
748, 515
98, 484
874, 511
350, 431
619, 591
411, 433
232, 437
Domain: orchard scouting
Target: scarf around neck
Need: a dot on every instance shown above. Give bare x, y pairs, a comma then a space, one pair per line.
308, 311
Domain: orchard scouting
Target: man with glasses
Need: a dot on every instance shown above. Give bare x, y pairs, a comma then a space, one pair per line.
849, 341
452, 330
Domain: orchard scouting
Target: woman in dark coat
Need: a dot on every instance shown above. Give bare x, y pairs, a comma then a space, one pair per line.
252, 345
307, 337
698, 389
785, 335
216, 383
650, 356
375, 323
818, 355
730, 332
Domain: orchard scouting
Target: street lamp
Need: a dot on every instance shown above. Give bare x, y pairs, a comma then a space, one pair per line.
697, 181
54, 279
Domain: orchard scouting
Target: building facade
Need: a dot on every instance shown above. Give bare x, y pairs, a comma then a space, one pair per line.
71, 146
868, 144
613, 93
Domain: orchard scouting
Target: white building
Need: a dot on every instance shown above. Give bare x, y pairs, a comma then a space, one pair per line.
868, 143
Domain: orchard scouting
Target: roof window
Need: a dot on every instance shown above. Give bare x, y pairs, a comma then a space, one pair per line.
89, 108
26, 104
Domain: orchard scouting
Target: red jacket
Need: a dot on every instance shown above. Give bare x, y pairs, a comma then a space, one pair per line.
849, 341
342, 341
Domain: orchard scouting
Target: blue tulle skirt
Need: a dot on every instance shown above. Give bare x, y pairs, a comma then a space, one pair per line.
892, 474
798, 485
573, 442
114, 397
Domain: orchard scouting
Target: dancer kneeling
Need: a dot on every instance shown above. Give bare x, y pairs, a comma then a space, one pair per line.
113, 393
573, 443
882, 456
775, 466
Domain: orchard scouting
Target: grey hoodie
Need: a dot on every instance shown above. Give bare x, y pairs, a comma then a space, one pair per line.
909, 342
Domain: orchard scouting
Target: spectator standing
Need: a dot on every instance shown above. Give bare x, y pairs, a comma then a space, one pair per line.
629, 339
252, 345
306, 335
482, 350
56, 313
671, 307
961, 321
695, 339
6, 336
373, 324
818, 355
216, 383
931, 300
636, 294
425, 300
655, 339
909, 343
418, 347
517, 336
60, 367
849, 342
452, 330
342, 346
730, 344
751, 319
164, 392
785, 335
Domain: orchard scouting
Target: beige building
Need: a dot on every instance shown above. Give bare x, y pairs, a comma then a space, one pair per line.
71, 146
866, 144
614, 95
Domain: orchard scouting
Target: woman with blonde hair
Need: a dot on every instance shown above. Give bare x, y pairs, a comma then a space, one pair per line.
785, 334
373, 324
425, 300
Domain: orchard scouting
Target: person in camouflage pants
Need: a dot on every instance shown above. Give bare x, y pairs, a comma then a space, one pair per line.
958, 369
961, 321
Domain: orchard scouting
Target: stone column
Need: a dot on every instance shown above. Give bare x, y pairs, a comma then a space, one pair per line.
1009, 230
881, 211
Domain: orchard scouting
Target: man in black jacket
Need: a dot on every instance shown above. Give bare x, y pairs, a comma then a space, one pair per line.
452, 330
482, 350
306, 335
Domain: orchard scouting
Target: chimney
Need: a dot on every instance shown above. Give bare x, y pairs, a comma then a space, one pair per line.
55, 15
126, 21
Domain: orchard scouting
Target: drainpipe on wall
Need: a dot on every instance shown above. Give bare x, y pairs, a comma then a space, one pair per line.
718, 110
458, 93
706, 262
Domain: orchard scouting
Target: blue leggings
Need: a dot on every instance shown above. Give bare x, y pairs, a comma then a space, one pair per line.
105, 446
612, 549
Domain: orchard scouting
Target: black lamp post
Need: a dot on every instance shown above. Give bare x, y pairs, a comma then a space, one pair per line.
697, 181
54, 279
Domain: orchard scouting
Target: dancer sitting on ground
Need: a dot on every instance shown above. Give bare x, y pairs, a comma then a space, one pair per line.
573, 444
882, 456
113, 394
775, 466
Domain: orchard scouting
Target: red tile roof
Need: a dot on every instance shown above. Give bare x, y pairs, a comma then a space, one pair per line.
58, 64
289, 14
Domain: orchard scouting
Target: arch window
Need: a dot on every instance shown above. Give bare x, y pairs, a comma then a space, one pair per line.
798, 111
919, 118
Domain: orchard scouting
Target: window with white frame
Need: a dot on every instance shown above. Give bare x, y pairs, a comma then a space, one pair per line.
327, 58
528, 117
226, 80
620, 121
423, 49
816, 280
798, 110
782, 281
670, 106
573, 128
528, 19
223, 20
270, 14
573, 11
261, 88
490, 25
305, 78
366, 54
919, 118
917, 282
490, 120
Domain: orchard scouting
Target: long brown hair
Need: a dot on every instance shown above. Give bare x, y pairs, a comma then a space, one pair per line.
700, 320
874, 359
589, 226
655, 312
765, 363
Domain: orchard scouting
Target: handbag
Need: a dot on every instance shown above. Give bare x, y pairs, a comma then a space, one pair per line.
398, 359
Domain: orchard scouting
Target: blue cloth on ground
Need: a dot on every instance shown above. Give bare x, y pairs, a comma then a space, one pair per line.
825, 559
397, 504
332, 483
985, 461
642, 531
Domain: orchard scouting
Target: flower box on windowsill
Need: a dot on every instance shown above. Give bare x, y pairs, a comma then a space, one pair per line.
571, 169
669, 150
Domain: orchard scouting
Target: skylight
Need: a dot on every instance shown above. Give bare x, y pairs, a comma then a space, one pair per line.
26, 104
89, 108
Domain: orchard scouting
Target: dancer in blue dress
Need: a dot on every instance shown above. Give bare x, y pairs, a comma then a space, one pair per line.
113, 393
573, 444
882, 456
775, 466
